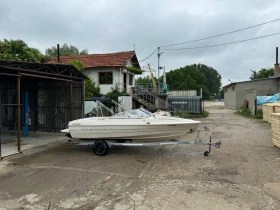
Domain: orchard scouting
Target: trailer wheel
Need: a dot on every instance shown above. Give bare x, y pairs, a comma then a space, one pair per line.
206, 153
100, 147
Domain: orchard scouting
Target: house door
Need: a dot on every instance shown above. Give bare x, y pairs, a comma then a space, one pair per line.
124, 82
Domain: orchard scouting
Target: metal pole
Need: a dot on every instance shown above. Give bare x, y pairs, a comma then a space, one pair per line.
71, 102
164, 75
0, 142
58, 54
83, 99
18, 112
276, 55
158, 68
158, 60
0, 133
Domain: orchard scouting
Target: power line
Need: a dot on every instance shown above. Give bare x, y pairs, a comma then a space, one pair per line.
149, 55
222, 34
216, 45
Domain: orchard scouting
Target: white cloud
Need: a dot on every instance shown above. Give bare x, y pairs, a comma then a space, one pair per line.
104, 26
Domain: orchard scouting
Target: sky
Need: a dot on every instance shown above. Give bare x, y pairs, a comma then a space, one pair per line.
109, 26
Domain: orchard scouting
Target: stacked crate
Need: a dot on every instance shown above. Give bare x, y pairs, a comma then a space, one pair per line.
275, 125
268, 109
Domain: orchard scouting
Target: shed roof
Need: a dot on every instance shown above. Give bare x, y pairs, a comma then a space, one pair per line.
117, 59
255, 80
51, 71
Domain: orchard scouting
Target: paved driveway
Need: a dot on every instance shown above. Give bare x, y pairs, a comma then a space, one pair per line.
243, 174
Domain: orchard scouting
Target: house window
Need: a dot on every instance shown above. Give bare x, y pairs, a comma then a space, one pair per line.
105, 78
130, 79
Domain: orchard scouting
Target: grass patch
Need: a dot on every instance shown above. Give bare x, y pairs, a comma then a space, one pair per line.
188, 115
247, 113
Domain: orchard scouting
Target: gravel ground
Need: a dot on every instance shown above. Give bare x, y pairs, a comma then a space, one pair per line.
243, 174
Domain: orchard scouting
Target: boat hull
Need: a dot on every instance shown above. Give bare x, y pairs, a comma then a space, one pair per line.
144, 130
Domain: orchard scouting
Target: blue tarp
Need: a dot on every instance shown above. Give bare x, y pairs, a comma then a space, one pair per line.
266, 99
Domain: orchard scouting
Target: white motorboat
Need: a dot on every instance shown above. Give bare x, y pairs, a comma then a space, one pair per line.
138, 125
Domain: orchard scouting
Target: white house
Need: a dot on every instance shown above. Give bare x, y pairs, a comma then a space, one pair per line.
108, 70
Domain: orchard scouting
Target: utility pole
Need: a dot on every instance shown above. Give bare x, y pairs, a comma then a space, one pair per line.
159, 66
158, 60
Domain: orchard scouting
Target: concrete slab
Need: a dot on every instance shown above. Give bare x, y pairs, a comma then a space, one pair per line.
29, 144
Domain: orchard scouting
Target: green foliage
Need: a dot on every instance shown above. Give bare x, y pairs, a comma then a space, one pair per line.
247, 113
259, 114
213, 79
65, 50
77, 64
143, 80
195, 77
186, 78
90, 89
146, 81
18, 50
115, 93
134, 70
84, 52
189, 116
262, 74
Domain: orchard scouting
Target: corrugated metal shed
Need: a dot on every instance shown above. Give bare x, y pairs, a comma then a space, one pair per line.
192, 105
55, 95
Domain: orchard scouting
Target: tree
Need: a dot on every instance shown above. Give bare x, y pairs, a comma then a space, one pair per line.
18, 50
77, 64
90, 89
65, 50
195, 77
261, 74
143, 80
185, 78
213, 78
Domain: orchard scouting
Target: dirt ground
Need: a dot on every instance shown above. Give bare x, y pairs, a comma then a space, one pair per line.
243, 174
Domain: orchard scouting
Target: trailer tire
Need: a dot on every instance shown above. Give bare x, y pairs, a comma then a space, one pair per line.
100, 147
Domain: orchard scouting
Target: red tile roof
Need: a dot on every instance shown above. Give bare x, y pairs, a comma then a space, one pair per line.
118, 59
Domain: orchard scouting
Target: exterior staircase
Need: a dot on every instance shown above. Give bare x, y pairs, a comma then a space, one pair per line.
152, 100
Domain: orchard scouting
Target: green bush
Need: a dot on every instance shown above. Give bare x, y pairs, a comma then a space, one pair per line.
259, 114
115, 93
247, 113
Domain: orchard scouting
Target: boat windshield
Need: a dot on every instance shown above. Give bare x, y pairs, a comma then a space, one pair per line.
135, 113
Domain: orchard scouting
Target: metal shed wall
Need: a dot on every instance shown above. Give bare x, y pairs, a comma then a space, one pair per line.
235, 93
49, 104
191, 104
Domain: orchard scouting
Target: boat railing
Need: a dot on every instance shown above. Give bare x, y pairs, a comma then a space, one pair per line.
119, 107
101, 105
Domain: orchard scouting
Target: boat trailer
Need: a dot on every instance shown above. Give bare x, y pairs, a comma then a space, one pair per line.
101, 146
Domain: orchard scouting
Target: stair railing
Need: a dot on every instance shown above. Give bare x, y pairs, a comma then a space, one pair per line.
151, 97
